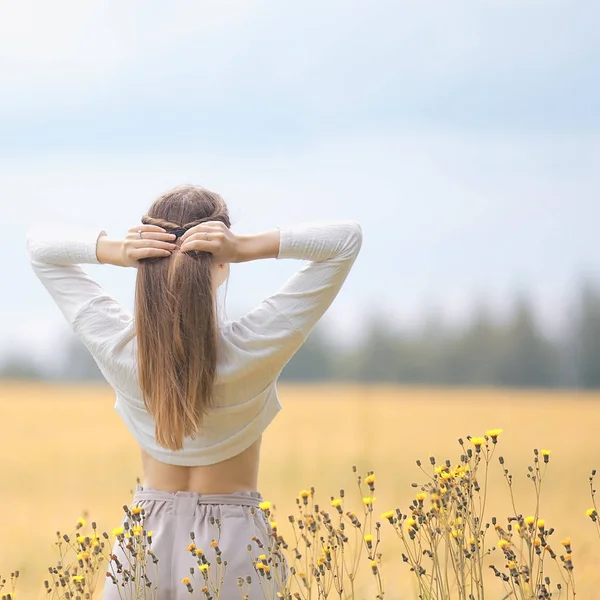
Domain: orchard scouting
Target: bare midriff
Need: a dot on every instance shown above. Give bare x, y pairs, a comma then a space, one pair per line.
236, 474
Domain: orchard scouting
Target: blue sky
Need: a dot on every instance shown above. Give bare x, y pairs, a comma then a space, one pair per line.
464, 136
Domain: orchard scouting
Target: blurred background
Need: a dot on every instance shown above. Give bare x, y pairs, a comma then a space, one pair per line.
464, 136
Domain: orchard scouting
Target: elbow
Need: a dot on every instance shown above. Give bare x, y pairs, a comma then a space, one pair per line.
354, 238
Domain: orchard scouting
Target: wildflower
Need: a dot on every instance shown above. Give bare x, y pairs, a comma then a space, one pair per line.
529, 521
273, 524
191, 547
566, 542
136, 510
118, 531
368, 538
540, 524
83, 555
137, 530
374, 567
503, 544
537, 542
81, 539
203, 568
149, 534
421, 497
389, 515
512, 565
336, 502
304, 494
477, 442
370, 480
266, 505
591, 513
80, 523
455, 533
546, 455
262, 557
368, 501
185, 581
493, 433
214, 544
78, 578
199, 552
411, 523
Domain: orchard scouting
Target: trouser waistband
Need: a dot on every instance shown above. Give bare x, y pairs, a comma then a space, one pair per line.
245, 498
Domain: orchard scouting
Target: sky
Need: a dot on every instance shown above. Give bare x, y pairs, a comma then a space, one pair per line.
464, 136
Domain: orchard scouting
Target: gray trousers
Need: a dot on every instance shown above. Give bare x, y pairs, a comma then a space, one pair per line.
223, 526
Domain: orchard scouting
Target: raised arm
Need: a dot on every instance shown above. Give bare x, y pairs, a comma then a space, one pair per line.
278, 326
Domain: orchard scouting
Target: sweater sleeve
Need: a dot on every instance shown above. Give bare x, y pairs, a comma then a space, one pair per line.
274, 330
56, 255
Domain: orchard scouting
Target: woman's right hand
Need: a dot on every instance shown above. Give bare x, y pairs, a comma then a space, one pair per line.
213, 237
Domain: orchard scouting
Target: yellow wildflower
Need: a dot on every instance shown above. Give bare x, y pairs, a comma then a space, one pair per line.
368, 501
118, 531
191, 548
537, 542
503, 544
266, 505
370, 479
529, 521
185, 581
541, 523
80, 522
590, 512
566, 542
512, 564
493, 433
421, 497
81, 539
83, 555
203, 568
136, 510
411, 523
214, 544
304, 494
477, 442
336, 502
368, 538
545, 452
149, 534
273, 524
389, 515
137, 530
78, 578
263, 557
455, 533
199, 552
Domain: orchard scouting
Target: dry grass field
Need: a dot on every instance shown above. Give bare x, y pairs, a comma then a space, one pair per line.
64, 450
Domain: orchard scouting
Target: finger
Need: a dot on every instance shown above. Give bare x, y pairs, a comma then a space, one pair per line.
202, 228
140, 253
143, 227
145, 243
200, 246
151, 235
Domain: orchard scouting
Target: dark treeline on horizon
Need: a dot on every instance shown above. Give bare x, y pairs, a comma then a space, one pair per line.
514, 352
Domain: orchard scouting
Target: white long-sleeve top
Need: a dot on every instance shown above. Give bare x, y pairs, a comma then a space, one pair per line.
252, 351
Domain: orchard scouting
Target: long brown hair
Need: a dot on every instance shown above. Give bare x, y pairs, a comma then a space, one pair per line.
176, 320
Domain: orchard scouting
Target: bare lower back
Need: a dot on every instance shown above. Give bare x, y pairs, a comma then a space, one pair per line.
236, 474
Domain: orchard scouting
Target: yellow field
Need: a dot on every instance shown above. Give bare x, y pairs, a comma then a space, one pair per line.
64, 450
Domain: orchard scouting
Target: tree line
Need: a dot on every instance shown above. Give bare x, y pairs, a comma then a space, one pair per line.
486, 351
